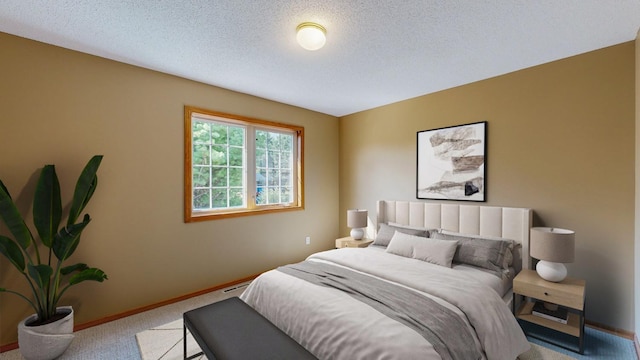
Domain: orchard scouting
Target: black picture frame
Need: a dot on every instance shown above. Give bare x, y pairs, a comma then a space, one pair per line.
451, 163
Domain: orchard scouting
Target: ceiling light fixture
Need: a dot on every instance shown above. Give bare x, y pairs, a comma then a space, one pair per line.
311, 36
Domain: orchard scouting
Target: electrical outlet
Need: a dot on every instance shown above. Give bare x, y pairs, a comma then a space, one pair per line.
307, 240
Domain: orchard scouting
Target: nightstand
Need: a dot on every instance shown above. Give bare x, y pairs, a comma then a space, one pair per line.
569, 293
350, 242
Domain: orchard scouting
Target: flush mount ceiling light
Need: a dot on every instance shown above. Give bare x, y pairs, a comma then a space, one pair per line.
311, 36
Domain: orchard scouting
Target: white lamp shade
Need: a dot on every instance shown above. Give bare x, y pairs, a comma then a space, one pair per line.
311, 36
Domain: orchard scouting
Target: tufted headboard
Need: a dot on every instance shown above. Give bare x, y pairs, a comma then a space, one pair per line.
504, 222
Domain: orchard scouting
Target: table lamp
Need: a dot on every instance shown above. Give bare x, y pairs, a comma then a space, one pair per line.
553, 247
357, 220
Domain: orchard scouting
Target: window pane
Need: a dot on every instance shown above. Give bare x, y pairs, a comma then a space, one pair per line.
285, 160
219, 198
261, 158
219, 134
274, 159
274, 196
285, 178
273, 178
261, 198
261, 139
261, 177
200, 154
236, 177
273, 141
285, 195
201, 176
218, 155
236, 157
219, 176
236, 197
236, 136
277, 169
201, 132
287, 142
201, 199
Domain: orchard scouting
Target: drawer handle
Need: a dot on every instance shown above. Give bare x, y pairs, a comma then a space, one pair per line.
546, 293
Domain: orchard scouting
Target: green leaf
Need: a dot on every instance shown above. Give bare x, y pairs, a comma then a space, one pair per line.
41, 274
85, 187
47, 205
12, 218
12, 251
92, 274
68, 238
69, 269
4, 188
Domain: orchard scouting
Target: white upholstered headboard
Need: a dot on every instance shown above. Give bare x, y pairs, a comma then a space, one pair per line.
505, 222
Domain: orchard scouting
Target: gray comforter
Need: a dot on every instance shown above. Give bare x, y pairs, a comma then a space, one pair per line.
334, 324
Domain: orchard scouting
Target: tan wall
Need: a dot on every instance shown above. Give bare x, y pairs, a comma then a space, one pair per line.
61, 107
637, 197
560, 141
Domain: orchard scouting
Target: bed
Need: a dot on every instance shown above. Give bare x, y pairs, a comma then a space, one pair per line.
435, 284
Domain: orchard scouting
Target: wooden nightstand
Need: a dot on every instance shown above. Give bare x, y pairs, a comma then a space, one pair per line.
569, 293
350, 242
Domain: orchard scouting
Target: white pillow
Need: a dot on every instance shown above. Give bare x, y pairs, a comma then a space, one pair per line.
439, 252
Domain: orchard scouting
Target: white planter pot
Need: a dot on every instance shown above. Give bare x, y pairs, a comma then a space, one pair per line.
46, 342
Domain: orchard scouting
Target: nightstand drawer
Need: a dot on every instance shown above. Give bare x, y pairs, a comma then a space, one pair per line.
569, 292
350, 242
358, 243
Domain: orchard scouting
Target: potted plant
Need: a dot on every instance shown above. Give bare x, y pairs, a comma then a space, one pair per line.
41, 262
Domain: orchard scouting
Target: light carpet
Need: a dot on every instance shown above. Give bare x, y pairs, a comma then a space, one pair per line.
165, 343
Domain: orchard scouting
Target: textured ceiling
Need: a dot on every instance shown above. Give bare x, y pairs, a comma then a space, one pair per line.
377, 52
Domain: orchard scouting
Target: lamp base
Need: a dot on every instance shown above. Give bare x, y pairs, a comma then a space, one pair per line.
551, 271
357, 233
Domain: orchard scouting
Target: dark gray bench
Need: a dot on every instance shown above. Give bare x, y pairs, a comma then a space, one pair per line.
230, 329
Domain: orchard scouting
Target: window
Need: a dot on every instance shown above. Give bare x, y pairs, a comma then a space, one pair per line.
236, 166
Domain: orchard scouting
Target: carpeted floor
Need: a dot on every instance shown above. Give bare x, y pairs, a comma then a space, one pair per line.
165, 343
598, 345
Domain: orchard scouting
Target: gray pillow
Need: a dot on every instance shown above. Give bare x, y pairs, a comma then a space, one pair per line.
485, 253
510, 254
385, 233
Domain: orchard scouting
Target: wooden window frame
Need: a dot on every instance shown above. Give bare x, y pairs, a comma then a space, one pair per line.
190, 215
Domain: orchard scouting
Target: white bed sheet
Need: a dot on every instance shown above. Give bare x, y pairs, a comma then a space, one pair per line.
333, 325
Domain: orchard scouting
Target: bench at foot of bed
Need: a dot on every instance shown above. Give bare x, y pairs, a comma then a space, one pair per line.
231, 329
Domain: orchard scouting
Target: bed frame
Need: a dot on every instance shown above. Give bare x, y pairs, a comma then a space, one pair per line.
504, 222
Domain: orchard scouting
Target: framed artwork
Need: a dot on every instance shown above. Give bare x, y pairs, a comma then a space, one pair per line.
452, 163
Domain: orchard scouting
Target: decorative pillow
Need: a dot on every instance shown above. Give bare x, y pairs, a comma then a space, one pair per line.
482, 252
509, 253
385, 233
439, 252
